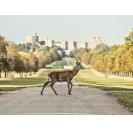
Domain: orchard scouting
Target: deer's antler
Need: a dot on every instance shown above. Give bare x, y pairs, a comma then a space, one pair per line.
76, 59
79, 59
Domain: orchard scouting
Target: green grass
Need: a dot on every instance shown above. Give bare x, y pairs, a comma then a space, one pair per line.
22, 81
120, 86
84, 78
58, 64
88, 78
30, 81
124, 98
73, 61
17, 83
10, 88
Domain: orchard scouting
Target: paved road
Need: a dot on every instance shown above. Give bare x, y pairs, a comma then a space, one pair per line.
68, 61
82, 101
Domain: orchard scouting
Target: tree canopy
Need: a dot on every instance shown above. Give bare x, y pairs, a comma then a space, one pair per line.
115, 59
18, 58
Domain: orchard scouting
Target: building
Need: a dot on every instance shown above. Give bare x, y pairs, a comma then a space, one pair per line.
74, 45
34, 41
32, 38
49, 42
66, 45
94, 42
83, 45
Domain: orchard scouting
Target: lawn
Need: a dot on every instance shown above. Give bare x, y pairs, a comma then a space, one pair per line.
85, 77
57, 64
88, 78
120, 88
16, 83
125, 98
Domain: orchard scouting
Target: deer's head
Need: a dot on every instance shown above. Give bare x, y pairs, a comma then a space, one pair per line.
78, 64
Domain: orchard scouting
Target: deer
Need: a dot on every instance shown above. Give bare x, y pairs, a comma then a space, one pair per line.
60, 76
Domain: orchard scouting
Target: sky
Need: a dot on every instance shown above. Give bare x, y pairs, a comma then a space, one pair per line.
112, 29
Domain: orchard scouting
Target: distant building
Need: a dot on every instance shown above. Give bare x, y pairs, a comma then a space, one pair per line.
70, 45
82, 45
58, 43
32, 38
95, 41
66, 45
73, 45
49, 42
34, 41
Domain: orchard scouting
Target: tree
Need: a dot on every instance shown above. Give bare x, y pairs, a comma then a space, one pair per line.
54, 52
3, 54
102, 47
24, 47
30, 62
80, 52
129, 39
41, 56
87, 56
43, 48
73, 53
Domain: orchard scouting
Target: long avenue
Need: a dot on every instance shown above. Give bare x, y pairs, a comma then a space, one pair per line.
90, 101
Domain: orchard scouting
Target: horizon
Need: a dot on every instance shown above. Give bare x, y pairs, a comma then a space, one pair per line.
111, 29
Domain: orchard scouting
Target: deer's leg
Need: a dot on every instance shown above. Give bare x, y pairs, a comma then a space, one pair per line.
71, 87
53, 82
45, 86
68, 86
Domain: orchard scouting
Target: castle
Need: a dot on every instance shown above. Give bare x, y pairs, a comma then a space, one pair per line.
66, 45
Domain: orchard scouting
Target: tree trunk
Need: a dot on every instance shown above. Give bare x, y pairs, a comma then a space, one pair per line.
5, 74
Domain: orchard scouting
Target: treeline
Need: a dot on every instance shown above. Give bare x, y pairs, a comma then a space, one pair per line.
117, 59
13, 60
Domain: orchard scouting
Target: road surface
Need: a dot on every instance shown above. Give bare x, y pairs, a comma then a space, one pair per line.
83, 101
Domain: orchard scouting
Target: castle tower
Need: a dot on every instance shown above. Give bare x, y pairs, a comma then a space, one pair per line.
95, 41
32, 38
49, 42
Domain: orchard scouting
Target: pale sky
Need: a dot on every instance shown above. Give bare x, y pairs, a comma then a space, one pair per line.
111, 29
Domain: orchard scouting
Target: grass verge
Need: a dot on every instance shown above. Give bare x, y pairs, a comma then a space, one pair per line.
88, 78
120, 86
57, 64
17, 83
9, 88
125, 98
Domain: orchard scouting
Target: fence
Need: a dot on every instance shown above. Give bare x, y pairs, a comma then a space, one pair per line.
13, 74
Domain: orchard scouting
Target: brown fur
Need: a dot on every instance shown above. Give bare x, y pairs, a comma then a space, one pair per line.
66, 75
